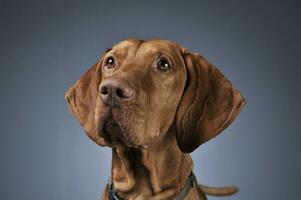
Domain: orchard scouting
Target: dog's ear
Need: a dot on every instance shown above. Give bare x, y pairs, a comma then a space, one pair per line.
209, 103
82, 99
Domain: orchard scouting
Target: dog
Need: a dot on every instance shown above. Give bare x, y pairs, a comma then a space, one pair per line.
154, 102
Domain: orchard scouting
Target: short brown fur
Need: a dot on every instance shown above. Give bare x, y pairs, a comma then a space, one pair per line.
170, 115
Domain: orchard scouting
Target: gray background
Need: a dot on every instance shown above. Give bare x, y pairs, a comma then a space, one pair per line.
46, 46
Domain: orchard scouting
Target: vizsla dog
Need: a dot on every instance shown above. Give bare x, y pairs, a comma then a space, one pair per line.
153, 102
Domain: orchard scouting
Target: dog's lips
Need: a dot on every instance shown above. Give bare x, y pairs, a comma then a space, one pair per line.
113, 131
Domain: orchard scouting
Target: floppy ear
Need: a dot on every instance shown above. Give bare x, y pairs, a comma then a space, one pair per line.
82, 99
209, 103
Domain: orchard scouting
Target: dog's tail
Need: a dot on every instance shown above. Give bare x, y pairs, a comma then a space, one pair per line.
218, 191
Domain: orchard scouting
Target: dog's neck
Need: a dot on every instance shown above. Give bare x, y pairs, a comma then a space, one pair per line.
157, 171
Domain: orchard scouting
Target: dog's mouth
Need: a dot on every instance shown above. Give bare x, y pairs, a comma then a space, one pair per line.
114, 132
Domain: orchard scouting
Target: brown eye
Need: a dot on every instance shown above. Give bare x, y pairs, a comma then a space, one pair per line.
110, 62
163, 65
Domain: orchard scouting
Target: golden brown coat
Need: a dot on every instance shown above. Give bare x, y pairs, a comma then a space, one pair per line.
158, 118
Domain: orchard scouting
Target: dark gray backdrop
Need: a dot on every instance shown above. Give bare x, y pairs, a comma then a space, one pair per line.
46, 46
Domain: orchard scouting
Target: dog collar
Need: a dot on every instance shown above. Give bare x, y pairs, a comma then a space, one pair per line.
189, 184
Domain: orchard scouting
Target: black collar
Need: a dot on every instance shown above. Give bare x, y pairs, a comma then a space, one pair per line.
185, 190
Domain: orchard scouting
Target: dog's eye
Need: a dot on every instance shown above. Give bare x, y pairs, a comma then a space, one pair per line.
110, 62
163, 65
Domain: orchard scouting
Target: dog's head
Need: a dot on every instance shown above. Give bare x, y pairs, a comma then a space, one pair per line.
139, 89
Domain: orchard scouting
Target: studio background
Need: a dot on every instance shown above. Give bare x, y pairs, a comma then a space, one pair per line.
45, 46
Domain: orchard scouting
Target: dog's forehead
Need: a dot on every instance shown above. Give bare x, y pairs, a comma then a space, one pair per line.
154, 46
135, 46
127, 44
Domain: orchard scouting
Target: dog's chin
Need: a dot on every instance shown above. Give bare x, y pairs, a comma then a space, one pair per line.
114, 133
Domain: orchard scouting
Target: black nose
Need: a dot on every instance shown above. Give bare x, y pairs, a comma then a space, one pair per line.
114, 91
